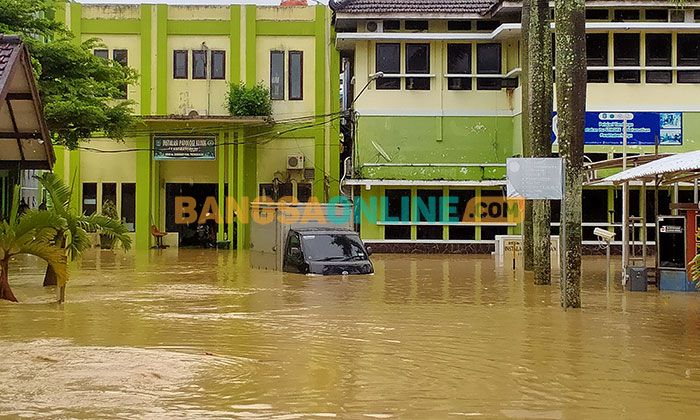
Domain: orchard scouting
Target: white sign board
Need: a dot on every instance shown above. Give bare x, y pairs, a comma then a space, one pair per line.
535, 178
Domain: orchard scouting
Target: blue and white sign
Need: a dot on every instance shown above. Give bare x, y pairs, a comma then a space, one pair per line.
643, 128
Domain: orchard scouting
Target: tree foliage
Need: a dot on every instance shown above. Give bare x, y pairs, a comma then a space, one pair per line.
80, 91
249, 101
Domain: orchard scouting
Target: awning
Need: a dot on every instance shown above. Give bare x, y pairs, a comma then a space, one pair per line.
24, 137
681, 167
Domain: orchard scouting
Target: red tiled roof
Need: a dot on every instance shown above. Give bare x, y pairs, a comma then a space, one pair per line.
9, 47
413, 6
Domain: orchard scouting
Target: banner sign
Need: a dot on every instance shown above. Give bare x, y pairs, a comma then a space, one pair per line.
643, 128
534, 178
184, 148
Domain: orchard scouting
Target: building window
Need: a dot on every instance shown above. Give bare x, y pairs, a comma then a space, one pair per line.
121, 57
104, 54
277, 75
626, 15
392, 25
417, 62
416, 25
658, 54
388, 62
128, 207
218, 65
429, 209
688, 50
296, 75
459, 25
658, 15
487, 25
460, 200
597, 56
199, 64
488, 61
459, 61
180, 64
397, 209
597, 14
89, 198
626, 54
109, 192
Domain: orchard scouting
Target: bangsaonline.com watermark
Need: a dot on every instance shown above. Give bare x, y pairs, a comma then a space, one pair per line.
342, 211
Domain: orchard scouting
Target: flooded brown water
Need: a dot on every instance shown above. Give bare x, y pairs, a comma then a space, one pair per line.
196, 334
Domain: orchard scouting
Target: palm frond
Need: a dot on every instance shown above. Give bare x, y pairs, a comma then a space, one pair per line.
34, 221
59, 192
113, 229
52, 254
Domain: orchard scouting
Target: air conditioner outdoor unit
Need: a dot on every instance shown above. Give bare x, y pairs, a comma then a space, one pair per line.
375, 26
295, 161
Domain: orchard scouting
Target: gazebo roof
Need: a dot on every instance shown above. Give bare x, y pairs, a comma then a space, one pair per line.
24, 137
681, 167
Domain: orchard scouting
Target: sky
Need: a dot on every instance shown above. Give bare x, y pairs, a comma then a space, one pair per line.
193, 2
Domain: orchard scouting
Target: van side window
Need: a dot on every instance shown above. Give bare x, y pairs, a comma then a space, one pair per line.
293, 242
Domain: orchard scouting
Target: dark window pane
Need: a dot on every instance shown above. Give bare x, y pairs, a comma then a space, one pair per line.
397, 232
658, 49
659, 76
109, 192
429, 205
597, 76
627, 76
459, 83
459, 25
218, 65
417, 62
129, 206
199, 64
487, 25
180, 64
489, 233
696, 14
459, 58
660, 15
388, 57
89, 198
398, 205
596, 204
462, 233
102, 53
689, 76
121, 57
277, 75
626, 49
597, 14
688, 50
429, 232
392, 25
488, 58
459, 204
623, 15
296, 75
304, 192
416, 25
597, 49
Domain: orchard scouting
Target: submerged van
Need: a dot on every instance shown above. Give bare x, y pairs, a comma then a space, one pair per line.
326, 251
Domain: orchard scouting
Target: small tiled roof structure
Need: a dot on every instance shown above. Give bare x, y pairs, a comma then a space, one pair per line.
24, 137
413, 6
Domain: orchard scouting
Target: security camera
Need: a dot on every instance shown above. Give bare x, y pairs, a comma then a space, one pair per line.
604, 235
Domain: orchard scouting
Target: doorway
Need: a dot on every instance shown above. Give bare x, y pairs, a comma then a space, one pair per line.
193, 234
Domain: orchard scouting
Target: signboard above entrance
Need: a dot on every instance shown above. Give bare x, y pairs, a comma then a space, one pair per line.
184, 148
643, 128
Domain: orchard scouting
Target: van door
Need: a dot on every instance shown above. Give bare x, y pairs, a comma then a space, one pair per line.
293, 257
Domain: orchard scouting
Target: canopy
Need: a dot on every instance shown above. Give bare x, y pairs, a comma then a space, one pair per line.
670, 169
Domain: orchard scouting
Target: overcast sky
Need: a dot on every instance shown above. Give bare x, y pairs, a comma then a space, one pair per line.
195, 2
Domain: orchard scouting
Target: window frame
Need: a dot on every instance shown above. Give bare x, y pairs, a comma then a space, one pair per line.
465, 82
299, 53
186, 55
489, 83
420, 81
98, 52
202, 53
221, 53
282, 75
619, 60
387, 83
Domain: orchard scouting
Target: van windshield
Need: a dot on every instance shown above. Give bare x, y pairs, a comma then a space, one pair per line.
333, 247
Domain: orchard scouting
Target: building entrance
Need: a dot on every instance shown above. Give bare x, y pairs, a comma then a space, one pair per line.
192, 234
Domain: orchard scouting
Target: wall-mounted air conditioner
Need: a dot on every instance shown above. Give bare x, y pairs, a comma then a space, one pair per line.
374, 26
295, 161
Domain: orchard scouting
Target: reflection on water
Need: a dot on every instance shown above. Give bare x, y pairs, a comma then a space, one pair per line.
198, 334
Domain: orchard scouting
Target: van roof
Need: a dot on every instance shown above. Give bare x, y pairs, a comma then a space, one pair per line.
322, 229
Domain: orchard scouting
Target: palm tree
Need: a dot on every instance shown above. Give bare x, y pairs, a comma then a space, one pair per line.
32, 233
73, 237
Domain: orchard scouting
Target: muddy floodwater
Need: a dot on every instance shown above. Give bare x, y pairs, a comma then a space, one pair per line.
197, 334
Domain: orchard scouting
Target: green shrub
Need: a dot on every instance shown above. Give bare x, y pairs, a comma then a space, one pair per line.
253, 101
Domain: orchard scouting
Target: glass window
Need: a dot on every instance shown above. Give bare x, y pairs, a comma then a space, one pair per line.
624, 15
626, 54
597, 56
488, 61
277, 75
658, 53
688, 49
417, 62
487, 25
416, 25
121, 57
397, 207
304, 192
392, 25
89, 198
459, 61
429, 209
330, 247
296, 75
218, 65
102, 53
128, 206
659, 15
109, 192
459, 25
199, 64
388, 62
180, 64
597, 14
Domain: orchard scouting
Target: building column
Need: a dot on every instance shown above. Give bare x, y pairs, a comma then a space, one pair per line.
232, 188
221, 196
143, 193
